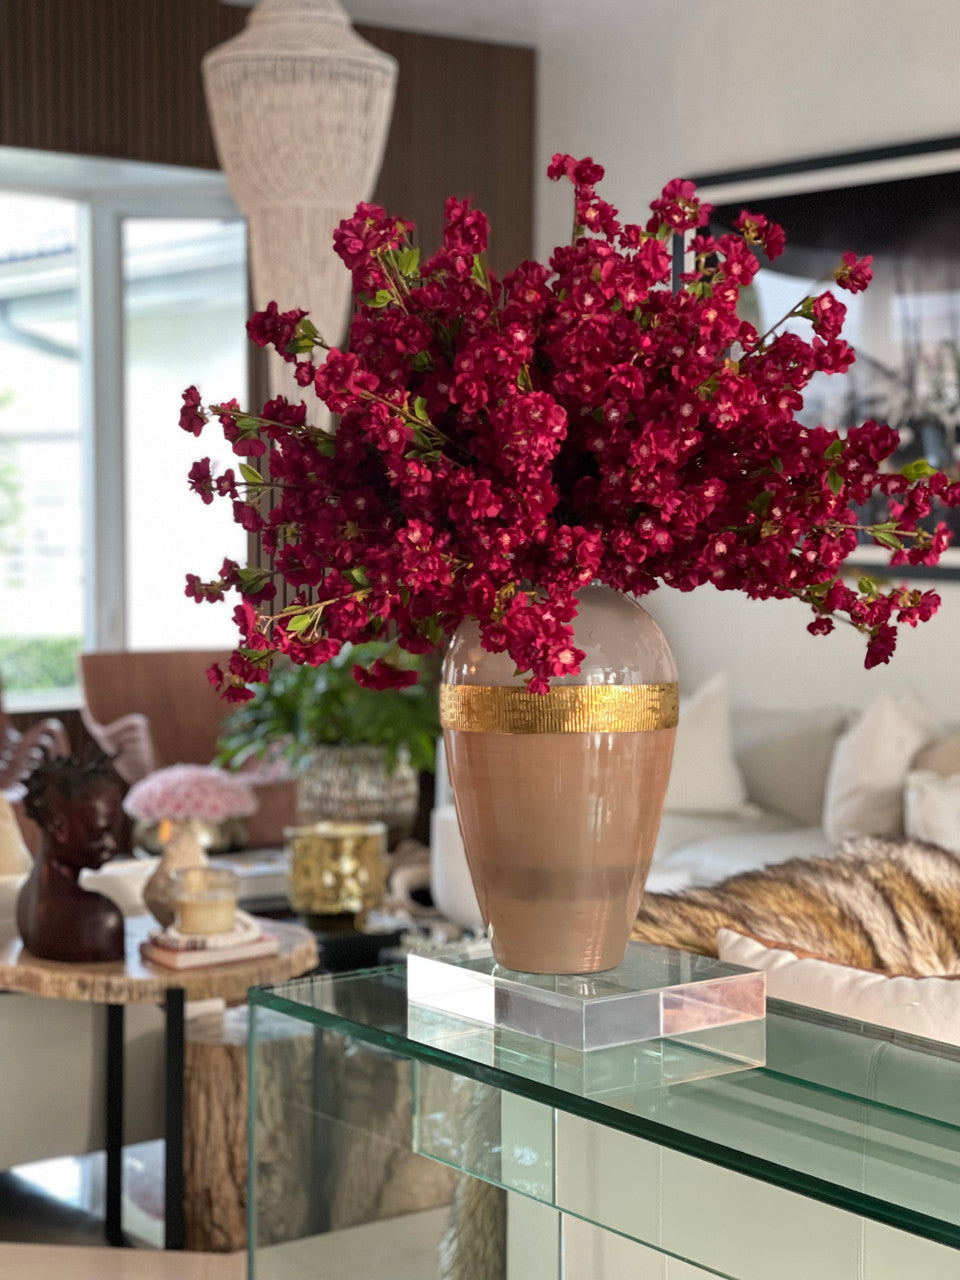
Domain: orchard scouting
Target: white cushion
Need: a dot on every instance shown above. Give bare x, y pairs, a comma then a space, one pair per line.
927, 1007
864, 792
785, 756
704, 777
732, 849
931, 808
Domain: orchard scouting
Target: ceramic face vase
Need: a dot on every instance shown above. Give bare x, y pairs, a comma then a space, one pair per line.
559, 796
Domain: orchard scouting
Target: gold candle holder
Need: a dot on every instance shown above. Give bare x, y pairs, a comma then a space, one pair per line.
205, 900
336, 868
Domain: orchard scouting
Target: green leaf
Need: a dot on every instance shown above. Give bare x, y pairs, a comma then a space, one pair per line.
299, 345
777, 465
307, 329
917, 469
250, 474
300, 622
833, 450
381, 298
834, 480
421, 362
761, 503
358, 576
887, 539
252, 579
868, 586
479, 272
325, 445
420, 409
409, 261
248, 424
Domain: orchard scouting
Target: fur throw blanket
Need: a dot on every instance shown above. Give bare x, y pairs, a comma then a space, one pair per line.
892, 906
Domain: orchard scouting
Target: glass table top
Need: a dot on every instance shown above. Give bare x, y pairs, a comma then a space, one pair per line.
852, 1115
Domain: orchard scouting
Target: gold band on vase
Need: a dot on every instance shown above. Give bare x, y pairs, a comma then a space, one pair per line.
579, 708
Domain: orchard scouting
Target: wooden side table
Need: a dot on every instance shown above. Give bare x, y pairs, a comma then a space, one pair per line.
135, 982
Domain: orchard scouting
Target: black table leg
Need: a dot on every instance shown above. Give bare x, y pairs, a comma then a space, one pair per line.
175, 1227
114, 1118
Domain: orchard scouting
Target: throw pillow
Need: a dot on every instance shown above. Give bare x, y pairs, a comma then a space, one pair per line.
14, 856
941, 756
785, 756
920, 1006
704, 777
931, 808
864, 791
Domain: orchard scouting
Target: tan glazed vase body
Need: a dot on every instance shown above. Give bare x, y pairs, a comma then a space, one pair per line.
559, 797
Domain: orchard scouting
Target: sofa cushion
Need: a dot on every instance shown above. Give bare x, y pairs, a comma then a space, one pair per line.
864, 792
920, 1006
785, 756
710, 849
940, 756
704, 777
931, 808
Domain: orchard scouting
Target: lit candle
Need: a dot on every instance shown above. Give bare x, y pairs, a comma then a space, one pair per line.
206, 900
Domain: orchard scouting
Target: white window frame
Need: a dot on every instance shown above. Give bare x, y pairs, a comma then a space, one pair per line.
108, 191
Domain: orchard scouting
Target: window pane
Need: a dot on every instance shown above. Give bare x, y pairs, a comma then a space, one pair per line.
185, 304
41, 560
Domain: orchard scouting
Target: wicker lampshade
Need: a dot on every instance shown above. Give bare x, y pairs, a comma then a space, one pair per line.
300, 107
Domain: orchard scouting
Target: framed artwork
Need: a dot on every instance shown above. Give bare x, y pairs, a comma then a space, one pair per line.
902, 205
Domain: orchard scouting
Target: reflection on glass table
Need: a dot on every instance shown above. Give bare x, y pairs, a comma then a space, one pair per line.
839, 1158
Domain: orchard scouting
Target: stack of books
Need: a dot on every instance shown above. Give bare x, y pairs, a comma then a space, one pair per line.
175, 950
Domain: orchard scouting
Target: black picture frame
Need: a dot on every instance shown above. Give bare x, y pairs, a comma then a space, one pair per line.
865, 201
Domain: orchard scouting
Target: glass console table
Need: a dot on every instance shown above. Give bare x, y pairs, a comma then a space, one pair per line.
837, 1160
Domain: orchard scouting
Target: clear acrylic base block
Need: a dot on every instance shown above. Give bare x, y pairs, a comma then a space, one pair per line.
655, 993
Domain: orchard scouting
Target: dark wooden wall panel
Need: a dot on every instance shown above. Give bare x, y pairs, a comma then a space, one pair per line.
463, 125
114, 78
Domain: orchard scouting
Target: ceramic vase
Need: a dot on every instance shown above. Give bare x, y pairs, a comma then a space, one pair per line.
559, 796
354, 784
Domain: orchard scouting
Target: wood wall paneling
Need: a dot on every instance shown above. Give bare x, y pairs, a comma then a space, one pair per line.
117, 78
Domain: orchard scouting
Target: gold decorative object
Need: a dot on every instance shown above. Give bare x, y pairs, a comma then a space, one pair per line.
336, 868
584, 708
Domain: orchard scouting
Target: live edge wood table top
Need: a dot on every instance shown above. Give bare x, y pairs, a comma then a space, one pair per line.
135, 981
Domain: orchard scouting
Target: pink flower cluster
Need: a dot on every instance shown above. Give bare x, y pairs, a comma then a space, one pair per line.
183, 791
503, 443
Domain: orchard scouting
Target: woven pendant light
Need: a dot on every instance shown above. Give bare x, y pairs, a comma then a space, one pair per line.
300, 107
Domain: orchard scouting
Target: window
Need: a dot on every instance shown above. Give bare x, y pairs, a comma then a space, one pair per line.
41, 562
120, 284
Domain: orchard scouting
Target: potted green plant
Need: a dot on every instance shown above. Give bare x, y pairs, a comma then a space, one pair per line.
356, 752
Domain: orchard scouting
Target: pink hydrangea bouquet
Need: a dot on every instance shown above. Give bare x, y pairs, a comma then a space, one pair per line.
182, 792
504, 442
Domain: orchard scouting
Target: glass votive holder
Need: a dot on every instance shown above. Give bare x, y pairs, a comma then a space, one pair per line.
336, 868
204, 899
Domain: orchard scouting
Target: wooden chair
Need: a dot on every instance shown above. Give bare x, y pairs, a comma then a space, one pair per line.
19, 752
152, 709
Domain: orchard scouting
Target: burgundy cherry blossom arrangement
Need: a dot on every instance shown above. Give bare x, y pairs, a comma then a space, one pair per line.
503, 443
